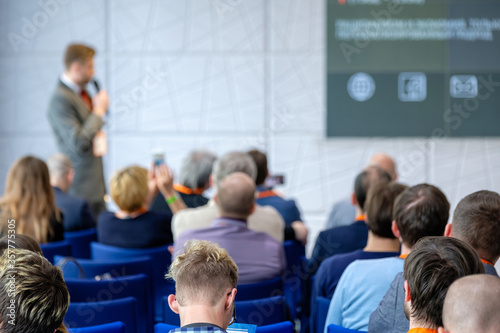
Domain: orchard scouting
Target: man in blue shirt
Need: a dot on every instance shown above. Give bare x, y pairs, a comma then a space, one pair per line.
205, 288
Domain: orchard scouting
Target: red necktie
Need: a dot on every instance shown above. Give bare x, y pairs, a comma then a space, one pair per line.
86, 99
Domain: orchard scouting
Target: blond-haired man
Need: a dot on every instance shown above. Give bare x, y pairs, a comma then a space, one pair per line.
205, 287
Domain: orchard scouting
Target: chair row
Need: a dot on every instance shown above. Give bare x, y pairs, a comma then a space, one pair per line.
119, 327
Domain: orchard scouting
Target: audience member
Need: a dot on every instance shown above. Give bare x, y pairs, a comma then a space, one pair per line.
351, 237
77, 214
28, 202
265, 219
133, 226
258, 256
419, 211
20, 242
429, 271
381, 241
472, 304
476, 221
344, 211
205, 279
266, 196
193, 181
33, 295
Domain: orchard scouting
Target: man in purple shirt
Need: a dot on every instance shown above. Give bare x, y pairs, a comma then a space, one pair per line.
258, 256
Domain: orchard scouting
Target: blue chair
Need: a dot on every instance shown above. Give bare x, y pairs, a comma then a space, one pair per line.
116, 327
80, 242
62, 248
98, 313
116, 267
284, 327
164, 328
86, 290
321, 311
264, 289
264, 311
293, 278
161, 258
332, 328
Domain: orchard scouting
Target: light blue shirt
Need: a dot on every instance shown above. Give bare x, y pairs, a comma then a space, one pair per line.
361, 288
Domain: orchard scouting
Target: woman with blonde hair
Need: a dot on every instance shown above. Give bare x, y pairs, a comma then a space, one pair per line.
133, 226
28, 204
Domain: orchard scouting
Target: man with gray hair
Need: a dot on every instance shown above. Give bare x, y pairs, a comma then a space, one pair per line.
193, 180
264, 218
77, 213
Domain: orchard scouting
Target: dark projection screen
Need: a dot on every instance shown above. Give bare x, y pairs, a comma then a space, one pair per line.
413, 68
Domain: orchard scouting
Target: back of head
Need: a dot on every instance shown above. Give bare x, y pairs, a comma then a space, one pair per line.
20, 242
365, 179
431, 268
202, 273
196, 169
129, 188
476, 221
77, 53
233, 162
59, 166
421, 210
472, 304
385, 162
236, 195
28, 198
260, 160
36, 299
379, 205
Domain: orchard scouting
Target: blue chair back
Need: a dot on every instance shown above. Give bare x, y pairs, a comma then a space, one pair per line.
320, 313
80, 242
116, 327
332, 328
295, 256
264, 311
164, 328
284, 327
116, 267
161, 258
98, 313
86, 290
62, 248
264, 289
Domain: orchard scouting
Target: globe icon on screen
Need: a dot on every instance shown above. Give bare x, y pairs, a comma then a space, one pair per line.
361, 87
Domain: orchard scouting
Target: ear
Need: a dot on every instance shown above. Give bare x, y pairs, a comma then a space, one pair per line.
172, 303
442, 330
70, 176
211, 180
253, 209
407, 292
353, 200
215, 198
448, 230
395, 230
230, 298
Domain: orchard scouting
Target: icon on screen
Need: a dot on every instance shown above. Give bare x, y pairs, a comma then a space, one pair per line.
412, 87
361, 87
463, 86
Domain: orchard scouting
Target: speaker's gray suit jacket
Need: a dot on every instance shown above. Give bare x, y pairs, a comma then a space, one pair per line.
75, 126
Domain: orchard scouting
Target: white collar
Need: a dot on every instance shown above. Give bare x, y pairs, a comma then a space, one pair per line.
71, 84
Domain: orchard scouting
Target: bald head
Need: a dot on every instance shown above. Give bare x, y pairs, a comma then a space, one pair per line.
236, 195
386, 163
472, 304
